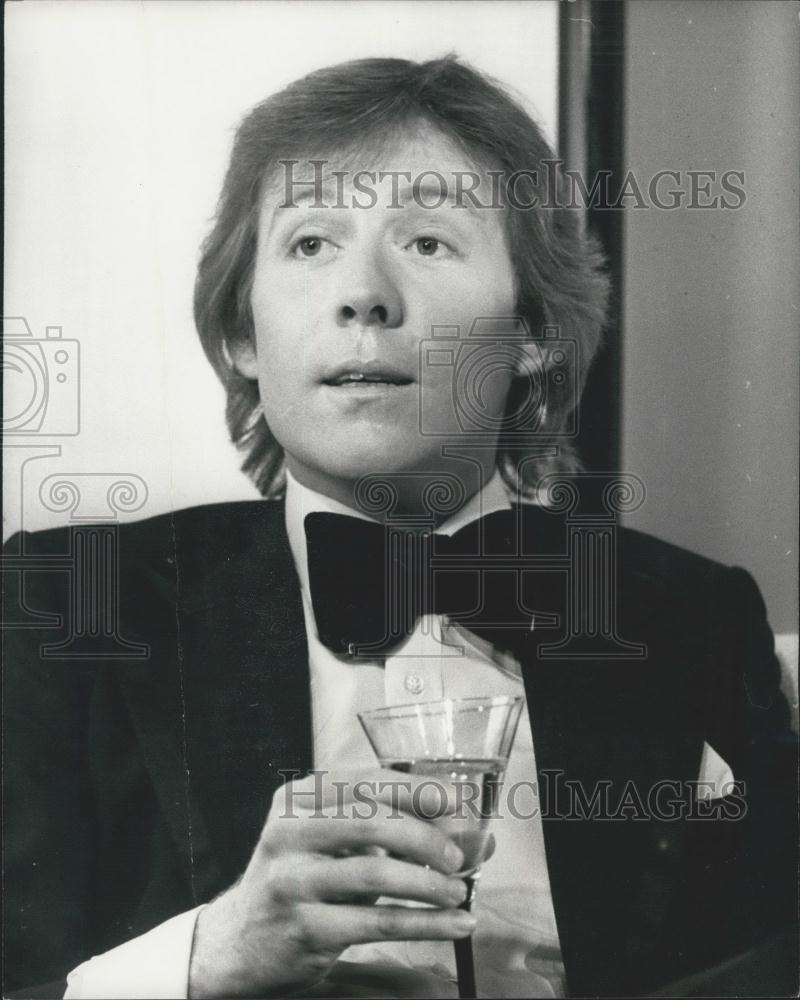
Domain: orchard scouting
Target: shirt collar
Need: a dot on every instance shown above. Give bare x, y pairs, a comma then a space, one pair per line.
301, 500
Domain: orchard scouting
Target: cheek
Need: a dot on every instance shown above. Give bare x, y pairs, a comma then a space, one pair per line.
279, 346
466, 397
476, 294
279, 388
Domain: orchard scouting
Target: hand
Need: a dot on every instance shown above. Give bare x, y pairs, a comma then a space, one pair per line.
324, 857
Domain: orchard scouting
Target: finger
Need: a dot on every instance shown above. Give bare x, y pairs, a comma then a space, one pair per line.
424, 796
337, 927
491, 846
337, 880
403, 836
322, 788
427, 797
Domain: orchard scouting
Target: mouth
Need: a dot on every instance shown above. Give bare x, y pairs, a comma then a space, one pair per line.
364, 374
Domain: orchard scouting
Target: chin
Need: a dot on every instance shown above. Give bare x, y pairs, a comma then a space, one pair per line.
374, 461
358, 459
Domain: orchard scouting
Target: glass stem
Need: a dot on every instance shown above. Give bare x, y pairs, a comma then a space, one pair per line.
470, 882
465, 963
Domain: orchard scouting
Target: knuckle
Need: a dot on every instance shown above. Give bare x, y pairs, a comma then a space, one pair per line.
302, 933
373, 873
358, 833
360, 829
281, 883
270, 843
390, 923
317, 963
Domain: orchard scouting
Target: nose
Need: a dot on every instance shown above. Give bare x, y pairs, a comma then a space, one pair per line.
369, 297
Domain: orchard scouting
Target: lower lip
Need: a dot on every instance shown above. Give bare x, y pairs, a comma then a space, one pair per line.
368, 388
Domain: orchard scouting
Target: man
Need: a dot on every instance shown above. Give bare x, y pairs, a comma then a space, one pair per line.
367, 207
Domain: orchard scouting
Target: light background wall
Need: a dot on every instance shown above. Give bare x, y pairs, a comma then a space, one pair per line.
712, 298
119, 121
119, 118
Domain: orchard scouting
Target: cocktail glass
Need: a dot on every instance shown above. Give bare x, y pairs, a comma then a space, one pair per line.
463, 745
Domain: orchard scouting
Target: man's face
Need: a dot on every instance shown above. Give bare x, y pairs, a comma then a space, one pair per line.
343, 298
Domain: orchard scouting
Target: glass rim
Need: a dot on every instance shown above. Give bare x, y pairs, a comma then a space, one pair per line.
436, 707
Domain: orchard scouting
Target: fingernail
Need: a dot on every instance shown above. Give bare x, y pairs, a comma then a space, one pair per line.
453, 856
464, 922
458, 890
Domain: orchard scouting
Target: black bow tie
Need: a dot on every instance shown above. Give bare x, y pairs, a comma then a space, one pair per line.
370, 583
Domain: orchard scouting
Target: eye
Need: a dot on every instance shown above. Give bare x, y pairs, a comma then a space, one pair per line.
427, 246
307, 246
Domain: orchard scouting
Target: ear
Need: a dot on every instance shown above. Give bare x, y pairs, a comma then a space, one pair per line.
243, 357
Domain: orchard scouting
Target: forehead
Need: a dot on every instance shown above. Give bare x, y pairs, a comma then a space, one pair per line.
414, 147
416, 155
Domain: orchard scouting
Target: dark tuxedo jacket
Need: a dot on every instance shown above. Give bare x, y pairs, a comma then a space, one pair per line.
136, 788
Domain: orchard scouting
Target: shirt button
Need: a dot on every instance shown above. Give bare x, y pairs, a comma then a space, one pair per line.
414, 684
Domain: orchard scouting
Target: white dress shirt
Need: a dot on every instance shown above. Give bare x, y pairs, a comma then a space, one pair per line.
516, 944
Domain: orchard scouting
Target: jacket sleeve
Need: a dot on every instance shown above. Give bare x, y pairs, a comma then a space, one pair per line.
750, 859
48, 801
768, 770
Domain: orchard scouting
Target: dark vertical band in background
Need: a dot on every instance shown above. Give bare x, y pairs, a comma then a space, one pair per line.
591, 135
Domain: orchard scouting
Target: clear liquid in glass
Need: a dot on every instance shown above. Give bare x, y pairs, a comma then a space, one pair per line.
472, 786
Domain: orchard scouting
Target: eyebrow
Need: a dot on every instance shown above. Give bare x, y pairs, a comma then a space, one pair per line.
428, 196
425, 195
326, 189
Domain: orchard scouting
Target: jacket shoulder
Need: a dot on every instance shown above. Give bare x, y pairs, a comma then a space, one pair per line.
676, 582
664, 562
704, 597
218, 525
638, 552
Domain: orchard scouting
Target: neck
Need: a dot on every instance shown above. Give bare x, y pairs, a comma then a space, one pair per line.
423, 495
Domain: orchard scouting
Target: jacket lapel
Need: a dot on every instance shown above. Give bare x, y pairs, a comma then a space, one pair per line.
611, 729
223, 707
